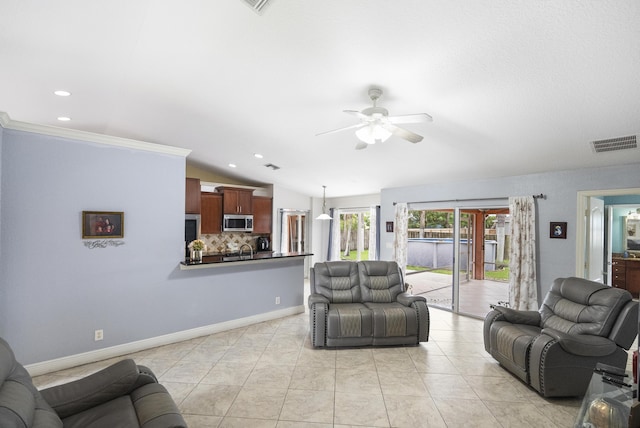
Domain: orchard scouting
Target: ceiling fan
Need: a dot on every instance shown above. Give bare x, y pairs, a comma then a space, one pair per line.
377, 126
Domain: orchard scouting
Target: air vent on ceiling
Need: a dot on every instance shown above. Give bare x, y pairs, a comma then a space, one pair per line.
612, 144
272, 166
256, 5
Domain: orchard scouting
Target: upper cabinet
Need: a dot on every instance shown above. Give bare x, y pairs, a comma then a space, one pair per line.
211, 220
192, 196
236, 200
262, 214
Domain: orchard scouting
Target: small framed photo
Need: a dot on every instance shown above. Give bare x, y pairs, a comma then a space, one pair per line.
558, 229
102, 224
389, 226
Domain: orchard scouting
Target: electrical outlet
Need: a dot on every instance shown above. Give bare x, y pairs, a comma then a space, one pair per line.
278, 300
98, 335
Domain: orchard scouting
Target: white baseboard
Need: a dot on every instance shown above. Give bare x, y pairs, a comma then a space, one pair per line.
44, 367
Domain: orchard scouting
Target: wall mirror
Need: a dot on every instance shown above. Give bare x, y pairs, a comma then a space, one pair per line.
632, 233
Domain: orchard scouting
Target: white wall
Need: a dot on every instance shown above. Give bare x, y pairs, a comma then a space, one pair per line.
557, 257
55, 291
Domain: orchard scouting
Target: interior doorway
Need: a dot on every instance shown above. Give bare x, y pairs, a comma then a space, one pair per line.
586, 246
294, 229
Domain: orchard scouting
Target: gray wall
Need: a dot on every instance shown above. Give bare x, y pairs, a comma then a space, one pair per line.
557, 257
55, 292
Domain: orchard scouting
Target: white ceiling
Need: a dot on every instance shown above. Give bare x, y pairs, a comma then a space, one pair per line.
514, 86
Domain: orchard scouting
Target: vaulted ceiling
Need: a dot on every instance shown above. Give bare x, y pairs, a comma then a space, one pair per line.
514, 87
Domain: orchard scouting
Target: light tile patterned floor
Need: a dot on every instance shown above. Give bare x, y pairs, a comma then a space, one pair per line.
268, 375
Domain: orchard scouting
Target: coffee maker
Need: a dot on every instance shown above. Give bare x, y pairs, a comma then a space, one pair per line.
262, 243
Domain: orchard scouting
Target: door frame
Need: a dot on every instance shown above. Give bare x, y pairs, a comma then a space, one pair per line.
581, 221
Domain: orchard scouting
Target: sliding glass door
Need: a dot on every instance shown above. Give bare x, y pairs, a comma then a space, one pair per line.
454, 258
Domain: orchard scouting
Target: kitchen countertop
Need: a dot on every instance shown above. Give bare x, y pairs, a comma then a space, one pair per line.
218, 260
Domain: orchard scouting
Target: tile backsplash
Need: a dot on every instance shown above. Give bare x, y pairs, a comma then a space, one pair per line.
225, 241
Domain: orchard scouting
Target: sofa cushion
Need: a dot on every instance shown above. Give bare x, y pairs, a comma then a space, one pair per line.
349, 320
579, 306
381, 281
118, 413
393, 320
337, 281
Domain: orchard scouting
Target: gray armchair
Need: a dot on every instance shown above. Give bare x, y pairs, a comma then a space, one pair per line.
555, 349
121, 395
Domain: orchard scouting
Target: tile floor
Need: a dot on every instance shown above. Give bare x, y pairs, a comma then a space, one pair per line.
267, 375
475, 295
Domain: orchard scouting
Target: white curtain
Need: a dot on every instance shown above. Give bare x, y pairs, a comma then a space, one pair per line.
523, 291
284, 235
373, 233
335, 235
400, 235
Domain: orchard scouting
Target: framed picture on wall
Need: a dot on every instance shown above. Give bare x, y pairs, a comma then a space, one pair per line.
558, 229
102, 224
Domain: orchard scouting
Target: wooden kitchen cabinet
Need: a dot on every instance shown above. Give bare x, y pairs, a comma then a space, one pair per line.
211, 218
626, 275
192, 196
236, 200
262, 214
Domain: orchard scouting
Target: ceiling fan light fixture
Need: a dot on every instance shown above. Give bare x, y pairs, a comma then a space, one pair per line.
373, 133
324, 215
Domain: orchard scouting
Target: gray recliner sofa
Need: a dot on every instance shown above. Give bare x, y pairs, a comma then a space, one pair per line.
555, 349
122, 395
364, 303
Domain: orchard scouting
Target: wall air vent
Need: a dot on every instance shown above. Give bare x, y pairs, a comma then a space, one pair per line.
272, 166
612, 144
256, 5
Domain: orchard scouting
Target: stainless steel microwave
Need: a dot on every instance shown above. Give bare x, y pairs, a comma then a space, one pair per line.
237, 223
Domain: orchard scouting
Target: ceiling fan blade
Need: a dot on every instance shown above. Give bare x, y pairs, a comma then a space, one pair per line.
358, 125
403, 133
357, 114
411, 118
361, 146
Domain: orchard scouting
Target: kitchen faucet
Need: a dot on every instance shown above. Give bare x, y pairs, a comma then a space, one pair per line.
246, 245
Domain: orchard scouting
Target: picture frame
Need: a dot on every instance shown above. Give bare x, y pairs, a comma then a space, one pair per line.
102, 224
389, 226
558, 230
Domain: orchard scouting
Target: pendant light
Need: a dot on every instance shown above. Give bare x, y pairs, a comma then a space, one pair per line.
324, 215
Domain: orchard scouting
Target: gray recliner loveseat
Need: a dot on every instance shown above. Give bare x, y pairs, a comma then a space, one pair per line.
555, 349
364, 303
122, 395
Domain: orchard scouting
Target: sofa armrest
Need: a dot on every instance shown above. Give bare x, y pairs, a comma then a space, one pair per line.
407, 299
317, 298
519, 317
586, 345
111, 382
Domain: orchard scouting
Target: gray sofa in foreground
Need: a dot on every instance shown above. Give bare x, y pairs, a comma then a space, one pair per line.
555, 349
122, 395
364, 303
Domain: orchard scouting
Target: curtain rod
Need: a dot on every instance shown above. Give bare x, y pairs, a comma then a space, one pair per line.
539, 196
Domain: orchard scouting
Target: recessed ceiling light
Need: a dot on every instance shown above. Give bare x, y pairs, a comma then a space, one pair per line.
64, 119
232, 165
258, 155
62, 93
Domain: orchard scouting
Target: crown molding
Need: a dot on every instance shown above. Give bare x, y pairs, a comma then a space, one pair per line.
74, 134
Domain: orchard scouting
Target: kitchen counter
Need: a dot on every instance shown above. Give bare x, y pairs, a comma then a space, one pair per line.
220, 260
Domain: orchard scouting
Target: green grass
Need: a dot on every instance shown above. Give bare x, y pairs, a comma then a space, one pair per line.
353, 254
